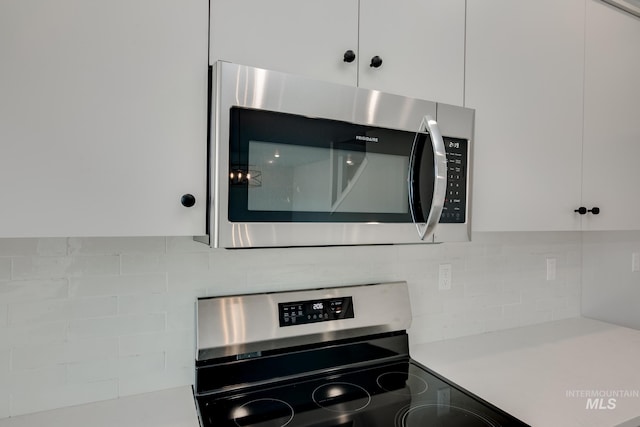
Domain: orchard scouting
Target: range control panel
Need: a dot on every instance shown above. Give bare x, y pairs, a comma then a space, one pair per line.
455, 202
322, 310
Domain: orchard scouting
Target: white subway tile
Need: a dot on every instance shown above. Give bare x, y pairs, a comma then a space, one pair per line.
225, 281
132, 345
499, 282
185, 244
5, 383
5, 361
32, 290
187, 282
81, 350
5, 268
182, 319
178, 359
158, 303
116, 245
116, 326
118, 285
571, 309
551, 304
4, 317
427, 328
25, 381
40, 399
69, 309
5, 403
462, 329
502, 323
426, 305
282, 276
41, 333
142, 304
481, 287
92, 370
156, 381
175, 262
141, 365
58, 267
32, 247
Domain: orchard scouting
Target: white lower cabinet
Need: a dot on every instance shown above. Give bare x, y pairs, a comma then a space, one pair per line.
103, 117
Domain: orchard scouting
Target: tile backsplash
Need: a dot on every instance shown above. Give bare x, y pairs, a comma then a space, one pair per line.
88, 319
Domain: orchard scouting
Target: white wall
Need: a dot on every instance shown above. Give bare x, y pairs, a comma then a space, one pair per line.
96, 318
610, 290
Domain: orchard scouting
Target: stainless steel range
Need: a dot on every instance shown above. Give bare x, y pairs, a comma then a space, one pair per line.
325, 357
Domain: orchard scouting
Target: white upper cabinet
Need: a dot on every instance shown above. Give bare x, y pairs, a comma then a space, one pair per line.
419, 43
309, 38
103, 113
612, 118
524, 77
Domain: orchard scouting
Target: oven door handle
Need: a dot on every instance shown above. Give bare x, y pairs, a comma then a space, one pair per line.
427, 178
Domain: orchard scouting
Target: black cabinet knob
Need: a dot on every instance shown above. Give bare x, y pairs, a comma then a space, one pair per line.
595, 210
581, 210
188, 200
349, 56
376, 62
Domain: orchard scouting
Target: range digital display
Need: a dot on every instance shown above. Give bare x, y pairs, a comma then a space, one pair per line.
304, 312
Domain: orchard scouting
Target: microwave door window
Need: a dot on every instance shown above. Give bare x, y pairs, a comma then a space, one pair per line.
294, 178
369, 182
302, 169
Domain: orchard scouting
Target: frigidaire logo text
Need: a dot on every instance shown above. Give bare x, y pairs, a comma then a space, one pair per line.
367, 138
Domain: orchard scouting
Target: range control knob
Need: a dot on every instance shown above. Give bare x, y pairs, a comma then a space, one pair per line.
188, 200
376, 62
349, 56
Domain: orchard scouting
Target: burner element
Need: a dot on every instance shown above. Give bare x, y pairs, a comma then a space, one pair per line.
263, 413
341, 397
439, 416
402, 383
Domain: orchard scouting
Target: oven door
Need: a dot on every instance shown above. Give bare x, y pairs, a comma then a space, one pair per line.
309, 163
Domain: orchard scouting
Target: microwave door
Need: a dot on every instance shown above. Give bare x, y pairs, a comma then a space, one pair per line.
427, 178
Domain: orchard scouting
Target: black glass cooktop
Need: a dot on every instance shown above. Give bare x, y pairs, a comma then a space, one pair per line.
394, 394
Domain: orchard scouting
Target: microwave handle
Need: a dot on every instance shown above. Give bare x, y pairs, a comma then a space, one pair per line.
426, 228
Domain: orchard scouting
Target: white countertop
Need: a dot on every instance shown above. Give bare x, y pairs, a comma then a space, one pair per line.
167, 408
545, 374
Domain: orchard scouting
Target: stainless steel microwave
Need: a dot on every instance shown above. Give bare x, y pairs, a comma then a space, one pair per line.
302, 162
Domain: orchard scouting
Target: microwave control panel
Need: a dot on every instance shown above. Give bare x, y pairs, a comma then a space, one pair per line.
322, 310
455, 201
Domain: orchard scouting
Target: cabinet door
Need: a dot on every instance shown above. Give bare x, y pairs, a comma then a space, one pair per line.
102, 117
524, 77
421, 44
301, 37
611, 118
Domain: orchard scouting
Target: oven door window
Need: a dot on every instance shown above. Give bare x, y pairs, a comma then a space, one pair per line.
289, 168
